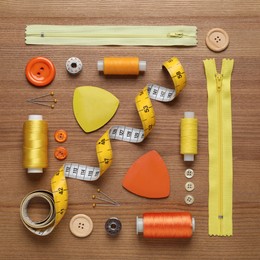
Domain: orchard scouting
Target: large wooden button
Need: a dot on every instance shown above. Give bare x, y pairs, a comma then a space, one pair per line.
81, 225
217, 40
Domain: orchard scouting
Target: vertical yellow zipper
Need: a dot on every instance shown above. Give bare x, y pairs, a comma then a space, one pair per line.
220, 147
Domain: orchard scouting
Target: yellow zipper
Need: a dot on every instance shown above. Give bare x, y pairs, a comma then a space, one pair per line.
220, 147
111, 35
219, 79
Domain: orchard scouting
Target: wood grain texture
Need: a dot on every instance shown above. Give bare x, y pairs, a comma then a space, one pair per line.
241, 19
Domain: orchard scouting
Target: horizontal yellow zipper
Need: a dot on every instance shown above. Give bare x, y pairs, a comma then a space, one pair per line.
111, 35
220, 147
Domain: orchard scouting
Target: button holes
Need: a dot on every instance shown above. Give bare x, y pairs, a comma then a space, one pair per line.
38, 73
41, 68
217, 39
81, 225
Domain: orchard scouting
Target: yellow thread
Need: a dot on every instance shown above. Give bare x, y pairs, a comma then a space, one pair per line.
35, 154
189, 136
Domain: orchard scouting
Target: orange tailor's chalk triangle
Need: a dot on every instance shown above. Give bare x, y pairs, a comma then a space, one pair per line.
148, 177
93, 107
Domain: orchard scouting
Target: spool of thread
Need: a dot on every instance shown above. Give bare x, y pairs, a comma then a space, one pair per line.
189, 136
121, 65
35, 146
166, 225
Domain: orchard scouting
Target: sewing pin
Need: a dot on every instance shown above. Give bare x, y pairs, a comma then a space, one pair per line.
42, 104
40, 101
103, 199
94, 205
45, 95
103, 193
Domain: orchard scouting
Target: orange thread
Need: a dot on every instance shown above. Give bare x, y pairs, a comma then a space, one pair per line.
167, 225
121, 65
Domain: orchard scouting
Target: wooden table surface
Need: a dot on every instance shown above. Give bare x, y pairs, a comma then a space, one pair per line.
241, 20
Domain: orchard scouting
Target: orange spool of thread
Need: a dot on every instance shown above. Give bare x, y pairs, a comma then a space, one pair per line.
121, 65
166, 225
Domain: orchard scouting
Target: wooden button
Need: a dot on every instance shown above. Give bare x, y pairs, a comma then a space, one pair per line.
81, 225
189, 199
60, 153
40, 71
60, 135
189, 186
217, 40
189, 173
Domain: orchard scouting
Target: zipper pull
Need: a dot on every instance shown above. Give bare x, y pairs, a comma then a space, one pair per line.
176, 35
219, 78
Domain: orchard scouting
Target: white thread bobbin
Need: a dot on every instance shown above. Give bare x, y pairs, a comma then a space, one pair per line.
74, 65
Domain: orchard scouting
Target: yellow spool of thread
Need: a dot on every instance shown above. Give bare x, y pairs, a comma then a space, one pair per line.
121, 65
189, 136
35, 146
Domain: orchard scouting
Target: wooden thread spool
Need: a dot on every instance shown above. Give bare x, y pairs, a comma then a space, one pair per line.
35, 146
189, 136
121, 65
166, 225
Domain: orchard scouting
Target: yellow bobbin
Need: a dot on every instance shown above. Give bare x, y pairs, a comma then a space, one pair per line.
189, 136
35, 146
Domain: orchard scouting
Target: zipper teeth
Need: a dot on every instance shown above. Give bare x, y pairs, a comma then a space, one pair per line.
85, 35
111, 35
220, 153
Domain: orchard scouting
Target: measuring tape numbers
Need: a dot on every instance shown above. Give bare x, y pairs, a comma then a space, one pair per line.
57, 200
128, 134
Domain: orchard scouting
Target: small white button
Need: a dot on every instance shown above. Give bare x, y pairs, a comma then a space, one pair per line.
189, 173
189, 199
189, 186
81, 225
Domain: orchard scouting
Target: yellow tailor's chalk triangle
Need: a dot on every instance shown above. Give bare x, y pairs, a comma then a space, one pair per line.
93, 107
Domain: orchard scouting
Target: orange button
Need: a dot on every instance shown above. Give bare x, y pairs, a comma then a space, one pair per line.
40, 71
60, 153
217, 40
60, 135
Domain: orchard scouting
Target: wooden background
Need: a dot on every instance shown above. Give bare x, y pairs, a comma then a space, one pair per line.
242, 22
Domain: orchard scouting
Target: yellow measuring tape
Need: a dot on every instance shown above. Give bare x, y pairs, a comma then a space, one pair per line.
129, 134
57, 200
